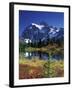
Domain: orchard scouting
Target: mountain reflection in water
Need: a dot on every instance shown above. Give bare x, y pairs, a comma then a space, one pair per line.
41, 55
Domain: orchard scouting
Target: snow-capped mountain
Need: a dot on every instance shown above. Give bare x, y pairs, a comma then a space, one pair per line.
38, 26
42, 32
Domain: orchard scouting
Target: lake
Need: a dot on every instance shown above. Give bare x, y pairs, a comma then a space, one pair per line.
41, 55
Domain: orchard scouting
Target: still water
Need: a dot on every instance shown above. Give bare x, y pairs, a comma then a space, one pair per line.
41, 55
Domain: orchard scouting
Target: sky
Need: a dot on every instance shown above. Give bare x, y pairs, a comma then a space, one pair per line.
51, 18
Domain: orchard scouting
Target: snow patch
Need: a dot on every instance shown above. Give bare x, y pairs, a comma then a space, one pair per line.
51, 30
57, 30
27, 40
38, 26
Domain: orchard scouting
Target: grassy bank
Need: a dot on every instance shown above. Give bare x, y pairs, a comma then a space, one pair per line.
48, 49
36, 68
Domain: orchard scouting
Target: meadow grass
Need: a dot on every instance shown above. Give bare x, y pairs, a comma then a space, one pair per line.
36, 68
32, 62
37, 62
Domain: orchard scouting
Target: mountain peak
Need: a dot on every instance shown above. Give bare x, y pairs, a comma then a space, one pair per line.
38, 26
44, 32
